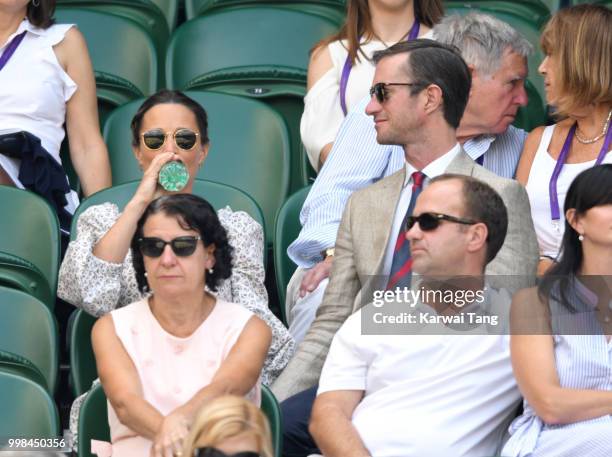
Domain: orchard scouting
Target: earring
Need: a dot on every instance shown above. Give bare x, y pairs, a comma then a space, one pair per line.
35, 3
210, 271
581, 237
146, 274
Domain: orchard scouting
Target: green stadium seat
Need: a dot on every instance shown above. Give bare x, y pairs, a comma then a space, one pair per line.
286, 230
20, 366
331, 9
271, 408
30, 244
93, 419
149, 14
123, 53
28, 329
170, 9
28, 410
83, 369
534, 11
510, 13
265, 57
249, 148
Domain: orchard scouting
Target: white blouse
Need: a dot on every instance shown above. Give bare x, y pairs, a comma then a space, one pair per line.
322, 111
34, 90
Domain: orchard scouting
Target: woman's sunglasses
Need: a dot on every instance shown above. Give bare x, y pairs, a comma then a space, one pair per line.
184, 138
431, 221
182, 246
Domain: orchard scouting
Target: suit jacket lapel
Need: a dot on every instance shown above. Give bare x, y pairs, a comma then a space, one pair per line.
462, 164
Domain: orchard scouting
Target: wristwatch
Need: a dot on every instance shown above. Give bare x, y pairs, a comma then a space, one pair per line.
329, 252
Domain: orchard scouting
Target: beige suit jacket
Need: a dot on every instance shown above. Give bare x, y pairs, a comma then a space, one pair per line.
360, 248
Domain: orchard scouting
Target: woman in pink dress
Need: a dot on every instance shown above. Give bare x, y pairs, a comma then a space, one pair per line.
162, 358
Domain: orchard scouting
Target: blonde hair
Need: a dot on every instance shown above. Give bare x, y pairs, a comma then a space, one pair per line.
226, 417
580, 40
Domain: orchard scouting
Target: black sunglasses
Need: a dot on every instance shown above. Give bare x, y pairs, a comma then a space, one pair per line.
431, 221
182, 246
214, 452
380, 90
183, 138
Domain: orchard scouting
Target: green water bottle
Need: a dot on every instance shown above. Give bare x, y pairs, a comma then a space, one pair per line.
173, 176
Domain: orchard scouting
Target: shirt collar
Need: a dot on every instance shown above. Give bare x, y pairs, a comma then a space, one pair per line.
435, 168
477, 146
27, 26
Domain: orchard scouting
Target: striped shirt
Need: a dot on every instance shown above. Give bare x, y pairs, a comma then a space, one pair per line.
357, 160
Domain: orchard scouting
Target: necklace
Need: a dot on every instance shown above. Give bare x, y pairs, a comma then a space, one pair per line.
604, 130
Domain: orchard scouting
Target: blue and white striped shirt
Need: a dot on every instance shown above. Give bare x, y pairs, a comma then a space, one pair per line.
357, 160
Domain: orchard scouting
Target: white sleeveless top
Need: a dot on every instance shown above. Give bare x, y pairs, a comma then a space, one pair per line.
34, 89
550, 234
322, 111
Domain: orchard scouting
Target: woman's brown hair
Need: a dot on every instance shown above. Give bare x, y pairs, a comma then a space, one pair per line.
41, 15
580, 40
358, 23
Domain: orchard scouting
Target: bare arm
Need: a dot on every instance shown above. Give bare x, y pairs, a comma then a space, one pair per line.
121, 382
320, 63
331, 426
115, 244
533, 361
87, 149
529, 150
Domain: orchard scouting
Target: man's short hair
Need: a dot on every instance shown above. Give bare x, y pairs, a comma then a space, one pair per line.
482, 40
483, 204
430, 62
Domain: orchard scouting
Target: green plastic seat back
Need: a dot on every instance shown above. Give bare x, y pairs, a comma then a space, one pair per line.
510, 13
332, 9
28, 410
30, 230
218, 195
83, 369
145, 13
93, 421
124, 56
250, 62
271, 408
249, 148
28, 329
16, 364
170, 9
286, 230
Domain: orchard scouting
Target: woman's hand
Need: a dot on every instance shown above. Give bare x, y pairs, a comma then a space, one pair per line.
147, 189
170, 437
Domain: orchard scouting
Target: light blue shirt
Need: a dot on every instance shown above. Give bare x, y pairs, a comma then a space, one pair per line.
357, 160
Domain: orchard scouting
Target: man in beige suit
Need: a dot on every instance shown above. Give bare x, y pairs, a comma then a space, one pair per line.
419, 93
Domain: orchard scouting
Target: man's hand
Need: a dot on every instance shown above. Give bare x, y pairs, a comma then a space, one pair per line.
315, 275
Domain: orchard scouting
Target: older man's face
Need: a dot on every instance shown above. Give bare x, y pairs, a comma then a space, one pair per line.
495, 100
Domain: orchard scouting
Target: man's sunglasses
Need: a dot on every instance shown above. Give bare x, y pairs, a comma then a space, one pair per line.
182, 246
380, 90
431, 221
183, 138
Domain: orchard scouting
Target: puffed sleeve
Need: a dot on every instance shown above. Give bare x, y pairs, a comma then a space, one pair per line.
322, 115
246, 236
91, 283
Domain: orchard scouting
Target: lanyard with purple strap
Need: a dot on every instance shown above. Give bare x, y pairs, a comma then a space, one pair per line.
555, 212
10, 49
348, 65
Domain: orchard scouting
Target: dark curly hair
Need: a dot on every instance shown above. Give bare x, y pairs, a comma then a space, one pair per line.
192, 213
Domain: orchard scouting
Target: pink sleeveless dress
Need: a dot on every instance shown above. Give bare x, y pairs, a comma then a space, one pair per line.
172, 369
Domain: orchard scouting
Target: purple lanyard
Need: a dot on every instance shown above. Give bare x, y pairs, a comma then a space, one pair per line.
555, 213
346, 70
10, 49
